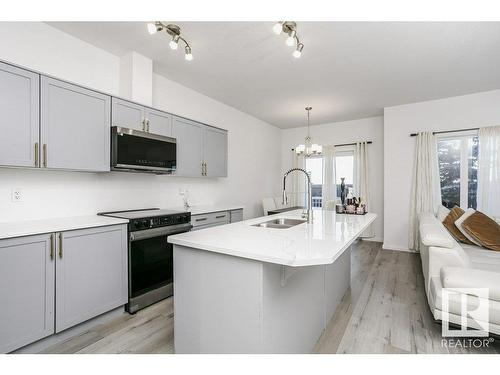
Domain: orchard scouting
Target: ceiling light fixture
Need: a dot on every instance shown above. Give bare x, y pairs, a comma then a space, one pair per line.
308, 148
175, 32
290, 28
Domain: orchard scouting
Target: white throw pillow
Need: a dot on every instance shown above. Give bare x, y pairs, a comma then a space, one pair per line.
460, 220
442, 213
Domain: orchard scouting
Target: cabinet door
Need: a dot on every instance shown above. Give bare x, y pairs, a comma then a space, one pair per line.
19, 114
158, 122
75, 130
91, 269
215, 152
26, 291
189, 135
127, 114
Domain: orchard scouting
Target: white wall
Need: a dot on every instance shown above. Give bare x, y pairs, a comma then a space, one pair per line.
254, 154
368, 129
460, 112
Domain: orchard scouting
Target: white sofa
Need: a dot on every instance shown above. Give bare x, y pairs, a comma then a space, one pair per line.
449, 264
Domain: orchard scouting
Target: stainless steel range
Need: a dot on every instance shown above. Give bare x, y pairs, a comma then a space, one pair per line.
150, 256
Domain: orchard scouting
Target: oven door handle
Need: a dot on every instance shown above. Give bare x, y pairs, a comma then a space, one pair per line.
162, 231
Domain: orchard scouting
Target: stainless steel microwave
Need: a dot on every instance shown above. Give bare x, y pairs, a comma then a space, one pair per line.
137, 151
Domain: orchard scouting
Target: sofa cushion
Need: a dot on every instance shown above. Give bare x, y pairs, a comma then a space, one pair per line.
442, 213
458, 277
483, 229
432, 232
449, 223
459, 222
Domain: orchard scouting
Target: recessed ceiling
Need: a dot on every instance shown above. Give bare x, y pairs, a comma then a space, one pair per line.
348, 70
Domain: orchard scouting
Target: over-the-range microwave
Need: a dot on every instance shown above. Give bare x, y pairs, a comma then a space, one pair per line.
137, 151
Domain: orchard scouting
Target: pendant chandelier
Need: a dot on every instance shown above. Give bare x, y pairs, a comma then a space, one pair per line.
308, 148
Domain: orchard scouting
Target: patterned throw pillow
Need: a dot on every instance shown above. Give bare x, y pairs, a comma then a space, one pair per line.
483, 229
449, 223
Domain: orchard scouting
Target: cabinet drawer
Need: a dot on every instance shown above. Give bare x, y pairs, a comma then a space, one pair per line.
218, 218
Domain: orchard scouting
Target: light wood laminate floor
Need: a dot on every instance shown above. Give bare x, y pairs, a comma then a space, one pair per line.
385, 311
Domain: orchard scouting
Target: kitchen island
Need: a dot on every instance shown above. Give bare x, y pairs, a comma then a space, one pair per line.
265, 285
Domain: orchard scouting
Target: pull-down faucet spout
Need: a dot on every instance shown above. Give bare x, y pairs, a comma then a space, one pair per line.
309, 214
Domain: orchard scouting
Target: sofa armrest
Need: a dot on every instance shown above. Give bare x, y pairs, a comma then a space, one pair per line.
433, 232
459, 277
440, 257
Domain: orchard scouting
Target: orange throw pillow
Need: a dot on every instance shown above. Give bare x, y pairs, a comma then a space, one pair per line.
449, 223
483, 229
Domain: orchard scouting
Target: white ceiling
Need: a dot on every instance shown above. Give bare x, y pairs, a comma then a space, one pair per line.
348, 70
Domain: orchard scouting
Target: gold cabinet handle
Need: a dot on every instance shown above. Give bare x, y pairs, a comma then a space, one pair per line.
52, 246
36, 154
60, 245
45, 155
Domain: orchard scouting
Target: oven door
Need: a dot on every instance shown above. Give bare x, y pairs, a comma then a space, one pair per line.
151, 268
133, 150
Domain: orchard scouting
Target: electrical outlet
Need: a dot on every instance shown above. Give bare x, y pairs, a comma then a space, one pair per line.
17, 195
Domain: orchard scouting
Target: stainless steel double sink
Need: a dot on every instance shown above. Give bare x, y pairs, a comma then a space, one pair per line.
280, 223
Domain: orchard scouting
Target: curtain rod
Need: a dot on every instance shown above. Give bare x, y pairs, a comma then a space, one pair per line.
349, 144
447, 131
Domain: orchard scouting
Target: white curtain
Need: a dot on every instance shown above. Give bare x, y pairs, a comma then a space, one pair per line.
299, 189
362, 180
425, 192
488, 176
329, 191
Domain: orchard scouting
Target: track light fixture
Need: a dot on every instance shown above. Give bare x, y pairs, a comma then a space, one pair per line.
290, 28
175, 32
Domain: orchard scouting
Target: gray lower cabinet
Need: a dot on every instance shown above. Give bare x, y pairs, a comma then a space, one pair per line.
91, 271
215, 152
236, 215
189, 136
19, 117
51, 282
74, 129
27, 274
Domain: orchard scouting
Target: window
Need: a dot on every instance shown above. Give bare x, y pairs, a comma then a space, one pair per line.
344, 167
314, 166
457, 159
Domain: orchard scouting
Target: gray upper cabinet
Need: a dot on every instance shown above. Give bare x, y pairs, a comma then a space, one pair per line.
91, 267
127, 114
74, 129
27, 272
158, 122
215, 152
19, 116
189, 135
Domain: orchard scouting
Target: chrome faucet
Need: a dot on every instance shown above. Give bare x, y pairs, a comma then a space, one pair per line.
309, 214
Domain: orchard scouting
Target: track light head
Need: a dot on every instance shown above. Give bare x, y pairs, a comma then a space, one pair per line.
188, 55
298, 51
153, 28
290, 41
278, 28
174, 43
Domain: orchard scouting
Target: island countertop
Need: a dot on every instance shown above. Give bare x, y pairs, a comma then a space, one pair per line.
321, 242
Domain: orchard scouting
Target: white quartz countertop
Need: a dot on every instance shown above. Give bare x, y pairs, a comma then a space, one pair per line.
321, 242
207, 208
31, 227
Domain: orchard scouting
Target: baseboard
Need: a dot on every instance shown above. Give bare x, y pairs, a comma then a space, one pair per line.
396, 248
374, 239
